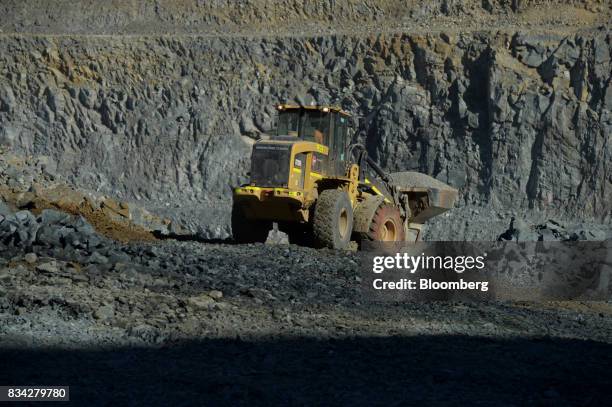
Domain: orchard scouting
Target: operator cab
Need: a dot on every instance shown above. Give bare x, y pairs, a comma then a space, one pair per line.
325, 125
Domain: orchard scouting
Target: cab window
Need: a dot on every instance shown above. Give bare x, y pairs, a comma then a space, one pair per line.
309, 125
288, 124
315, 127
340, 136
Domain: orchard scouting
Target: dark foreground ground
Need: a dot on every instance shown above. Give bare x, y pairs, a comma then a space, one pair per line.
393, 370
183, 323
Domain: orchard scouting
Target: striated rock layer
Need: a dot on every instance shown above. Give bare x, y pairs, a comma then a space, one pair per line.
517, 121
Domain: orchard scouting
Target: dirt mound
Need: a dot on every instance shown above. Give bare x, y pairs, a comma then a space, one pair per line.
31, 183
109, 218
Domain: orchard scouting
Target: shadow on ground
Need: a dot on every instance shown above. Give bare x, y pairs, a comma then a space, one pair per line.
441, 370
191, 238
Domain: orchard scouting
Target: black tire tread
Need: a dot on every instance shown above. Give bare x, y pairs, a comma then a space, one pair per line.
324, 222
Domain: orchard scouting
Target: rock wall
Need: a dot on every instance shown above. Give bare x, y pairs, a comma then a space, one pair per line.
283, 16
515, 120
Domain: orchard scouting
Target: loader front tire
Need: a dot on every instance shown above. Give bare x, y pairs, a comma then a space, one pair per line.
333, 219
245, 230
386, 225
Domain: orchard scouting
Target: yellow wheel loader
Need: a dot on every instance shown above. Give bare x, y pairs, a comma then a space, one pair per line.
322, 190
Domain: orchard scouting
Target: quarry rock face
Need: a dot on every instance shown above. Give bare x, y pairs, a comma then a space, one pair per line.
516, 120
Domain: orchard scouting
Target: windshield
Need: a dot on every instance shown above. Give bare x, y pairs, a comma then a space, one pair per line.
270, 165
310, 125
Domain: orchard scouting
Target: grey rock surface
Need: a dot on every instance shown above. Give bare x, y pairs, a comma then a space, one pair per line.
513, 120
296, 17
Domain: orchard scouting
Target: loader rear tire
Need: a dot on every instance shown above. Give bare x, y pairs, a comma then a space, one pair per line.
333, 219
245, 230
386, 225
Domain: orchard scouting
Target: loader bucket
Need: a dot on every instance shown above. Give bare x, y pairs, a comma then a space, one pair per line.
429, 197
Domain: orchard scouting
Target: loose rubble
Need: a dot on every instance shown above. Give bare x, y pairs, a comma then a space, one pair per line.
73, 298
27, 182
57, 265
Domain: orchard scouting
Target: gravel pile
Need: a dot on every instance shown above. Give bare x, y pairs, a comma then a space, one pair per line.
51, 229
55, 266
484, 223
275, 318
